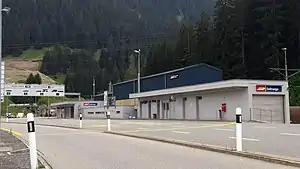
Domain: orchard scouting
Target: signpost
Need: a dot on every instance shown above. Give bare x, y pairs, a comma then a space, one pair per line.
32, 140
2, 81
34, 90
238, 129
105, 99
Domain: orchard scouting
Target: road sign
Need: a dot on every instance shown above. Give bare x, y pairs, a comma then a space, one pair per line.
34, 90
105, 98
2, 81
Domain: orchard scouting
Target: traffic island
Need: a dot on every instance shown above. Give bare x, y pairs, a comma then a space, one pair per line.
247, 154
14, 153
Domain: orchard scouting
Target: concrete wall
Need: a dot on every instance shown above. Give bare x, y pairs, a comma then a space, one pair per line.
120, 112
187, 106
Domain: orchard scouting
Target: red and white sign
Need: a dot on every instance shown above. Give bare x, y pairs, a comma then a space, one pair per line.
261, 88
223, 107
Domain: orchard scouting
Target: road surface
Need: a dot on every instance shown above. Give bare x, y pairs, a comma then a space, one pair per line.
273, 139
84, 149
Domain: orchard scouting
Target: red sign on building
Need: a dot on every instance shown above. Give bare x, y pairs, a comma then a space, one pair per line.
261, 88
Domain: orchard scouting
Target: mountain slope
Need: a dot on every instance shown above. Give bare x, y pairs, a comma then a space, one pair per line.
36, 21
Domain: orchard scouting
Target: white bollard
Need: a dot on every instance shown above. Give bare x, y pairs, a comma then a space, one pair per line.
7, 118
32, 140
238, 129
80, 120
108, 121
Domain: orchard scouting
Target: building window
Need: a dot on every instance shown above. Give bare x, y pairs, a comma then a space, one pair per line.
199, 97
90, 112
99, 112
42, 94
118, 112
184, 99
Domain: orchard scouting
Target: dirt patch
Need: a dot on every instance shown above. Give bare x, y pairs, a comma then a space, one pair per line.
22, 65
19, 70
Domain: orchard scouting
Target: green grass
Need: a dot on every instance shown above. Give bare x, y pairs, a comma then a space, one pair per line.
30, 54
60, 79
12, 110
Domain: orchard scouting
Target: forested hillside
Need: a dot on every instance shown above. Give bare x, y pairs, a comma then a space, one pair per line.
93, 22
243, 37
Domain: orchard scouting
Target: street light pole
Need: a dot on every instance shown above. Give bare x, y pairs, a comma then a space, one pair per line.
285, 66
6, 9
0, 52
287, 105
139, 69
94, 84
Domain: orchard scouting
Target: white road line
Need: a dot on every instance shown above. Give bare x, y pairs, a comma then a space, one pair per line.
141, 128
181, 132
248, 139
290, 134
264, 127
224, 129
178, 126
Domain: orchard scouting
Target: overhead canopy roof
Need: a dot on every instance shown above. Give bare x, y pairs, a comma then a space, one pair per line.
236, 83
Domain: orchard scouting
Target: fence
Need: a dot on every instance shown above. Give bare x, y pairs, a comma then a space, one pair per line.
265, 116
295, 114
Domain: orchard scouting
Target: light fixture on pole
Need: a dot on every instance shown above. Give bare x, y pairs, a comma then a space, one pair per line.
7, 10
139, 69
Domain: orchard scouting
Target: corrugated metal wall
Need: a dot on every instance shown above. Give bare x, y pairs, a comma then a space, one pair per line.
192, 75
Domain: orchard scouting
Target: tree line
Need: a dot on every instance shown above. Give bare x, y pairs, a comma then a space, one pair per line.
89, 23
242, 37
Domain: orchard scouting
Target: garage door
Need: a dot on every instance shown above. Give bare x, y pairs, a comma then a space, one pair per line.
268, 108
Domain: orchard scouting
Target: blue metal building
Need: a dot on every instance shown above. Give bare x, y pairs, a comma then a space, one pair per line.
191, 75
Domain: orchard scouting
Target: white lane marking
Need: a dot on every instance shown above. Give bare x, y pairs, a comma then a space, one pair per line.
290, 134
141, 128
248, 139
224, 129
264, 127
178, 126
181, 132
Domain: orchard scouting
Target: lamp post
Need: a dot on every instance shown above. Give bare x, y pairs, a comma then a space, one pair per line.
7, 10
139, 69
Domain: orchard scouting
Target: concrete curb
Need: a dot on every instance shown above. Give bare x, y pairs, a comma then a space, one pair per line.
50, 125
252, 155
41, 157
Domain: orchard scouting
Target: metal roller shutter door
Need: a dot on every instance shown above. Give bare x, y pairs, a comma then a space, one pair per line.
268, 108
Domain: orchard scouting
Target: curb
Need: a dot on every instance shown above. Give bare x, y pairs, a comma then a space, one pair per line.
41, 158
251, 155
51, 125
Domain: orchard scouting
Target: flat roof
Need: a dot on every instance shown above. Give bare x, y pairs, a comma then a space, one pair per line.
235, 83
72, 103
171, 71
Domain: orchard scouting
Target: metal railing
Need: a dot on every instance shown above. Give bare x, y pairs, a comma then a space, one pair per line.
265, 116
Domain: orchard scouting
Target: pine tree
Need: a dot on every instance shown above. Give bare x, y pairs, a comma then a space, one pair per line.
228, 44
37, 79
183, 50
30, 79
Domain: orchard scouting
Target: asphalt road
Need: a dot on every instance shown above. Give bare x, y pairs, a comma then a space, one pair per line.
90, 149
273, 139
